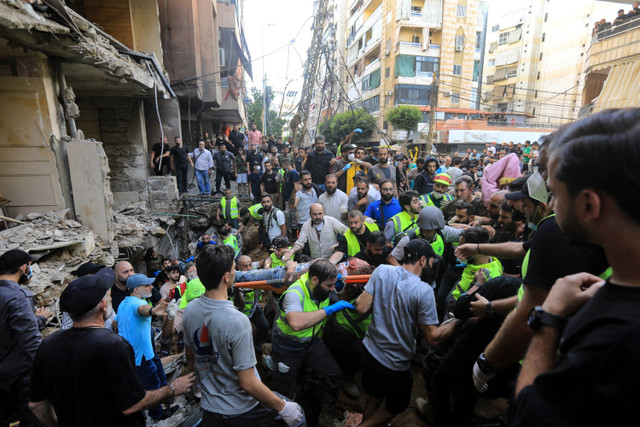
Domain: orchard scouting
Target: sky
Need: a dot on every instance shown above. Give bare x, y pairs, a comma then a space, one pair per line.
281, 21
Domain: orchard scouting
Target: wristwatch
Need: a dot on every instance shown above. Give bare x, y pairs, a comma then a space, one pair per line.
539, 317
488, 310
484, 365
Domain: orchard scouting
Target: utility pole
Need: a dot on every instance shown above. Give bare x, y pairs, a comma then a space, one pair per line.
432, 110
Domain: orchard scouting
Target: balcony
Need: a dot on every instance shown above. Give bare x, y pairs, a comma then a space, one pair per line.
611, 46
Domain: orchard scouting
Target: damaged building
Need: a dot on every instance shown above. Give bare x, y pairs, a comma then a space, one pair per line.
87, 87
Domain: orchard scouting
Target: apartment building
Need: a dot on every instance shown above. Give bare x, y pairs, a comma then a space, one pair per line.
535, 52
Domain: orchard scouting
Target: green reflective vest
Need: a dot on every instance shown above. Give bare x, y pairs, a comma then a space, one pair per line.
233, 211
275, 261
250, 300
232, 241
469, 272
428, 201
253, 210
402, 223
353, 322
353, 246
195, 288
438, 245
282, 327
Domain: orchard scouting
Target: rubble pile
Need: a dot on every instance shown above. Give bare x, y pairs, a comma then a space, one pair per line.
133, 224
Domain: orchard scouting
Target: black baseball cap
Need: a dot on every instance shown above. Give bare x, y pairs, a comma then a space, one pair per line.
87, 268
418, 248
12, 259
84, 293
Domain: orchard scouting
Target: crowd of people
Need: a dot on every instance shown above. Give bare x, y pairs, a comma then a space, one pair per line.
515, 280
620, 19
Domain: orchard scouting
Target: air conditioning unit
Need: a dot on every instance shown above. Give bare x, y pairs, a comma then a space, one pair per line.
389, 93
448, 93
387, 52
222, 63
459, 48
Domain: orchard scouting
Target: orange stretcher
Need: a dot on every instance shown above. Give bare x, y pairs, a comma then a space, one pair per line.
277, 285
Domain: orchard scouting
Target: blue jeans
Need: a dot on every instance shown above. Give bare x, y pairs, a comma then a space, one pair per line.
203, 181
151, 375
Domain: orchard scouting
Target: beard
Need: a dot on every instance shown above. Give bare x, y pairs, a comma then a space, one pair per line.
331, 191
576, 233
384, 161
307, 187
320, 294
386, 197
107, 314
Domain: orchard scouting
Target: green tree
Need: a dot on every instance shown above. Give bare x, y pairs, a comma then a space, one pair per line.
255, 107
344, 123
405, 117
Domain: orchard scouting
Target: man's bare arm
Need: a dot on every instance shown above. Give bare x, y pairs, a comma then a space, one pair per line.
44, 412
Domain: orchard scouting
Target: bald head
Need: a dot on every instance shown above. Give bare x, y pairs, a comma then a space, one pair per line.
123, 270
244, 263
495, 201
316, 212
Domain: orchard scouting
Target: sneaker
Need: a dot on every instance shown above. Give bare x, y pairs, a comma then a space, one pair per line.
351, 389
326, 419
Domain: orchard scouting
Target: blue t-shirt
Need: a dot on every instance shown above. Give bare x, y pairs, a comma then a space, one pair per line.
254, 181
381, 213
134, 328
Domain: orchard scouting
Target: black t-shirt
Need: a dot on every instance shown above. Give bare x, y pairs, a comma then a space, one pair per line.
553, 256
362, 240
269, 181
254, 158
89, 377
597, 377
158, 149
180, 156
375, 260
117, 296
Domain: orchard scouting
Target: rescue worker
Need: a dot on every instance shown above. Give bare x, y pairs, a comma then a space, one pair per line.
400, 224
229, 207
279, 245
438, 197
297, 335
355, 238
229, 238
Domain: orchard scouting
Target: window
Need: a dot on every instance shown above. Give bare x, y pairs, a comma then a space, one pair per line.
462, 11
478, 40
492, 63
416, 10
538, 76
476, 70
457, 70
546, 16
387, 72
412, 94
535, 95
540, 56
372, 104
503, 38
426, 66
371, 81
459, 40
543, 36
495, 28
415, 39
455, 98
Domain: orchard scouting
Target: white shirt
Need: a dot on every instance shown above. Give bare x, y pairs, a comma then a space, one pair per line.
334, 205
321, 246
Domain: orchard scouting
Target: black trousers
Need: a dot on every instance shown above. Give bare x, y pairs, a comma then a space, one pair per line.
317, 358
227, 179
181, 178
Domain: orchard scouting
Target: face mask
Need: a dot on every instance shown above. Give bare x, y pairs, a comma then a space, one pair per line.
192, 276
25, 277
532, 226
351, 157
479, 174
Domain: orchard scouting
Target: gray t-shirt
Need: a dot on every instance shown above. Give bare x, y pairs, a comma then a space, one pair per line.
222, 343
401, 302
306, 199
272, 223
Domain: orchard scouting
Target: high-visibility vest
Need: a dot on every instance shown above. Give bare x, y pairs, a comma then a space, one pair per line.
353, 322
194, 288
253, 210
233, 211
437, 244
275, 261
232, 241
353, 246
282, 327
250, 300
525, 264
468, 276
402, 224
428, 201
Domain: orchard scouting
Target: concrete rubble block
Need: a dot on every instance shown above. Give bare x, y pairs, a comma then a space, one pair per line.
163, 194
